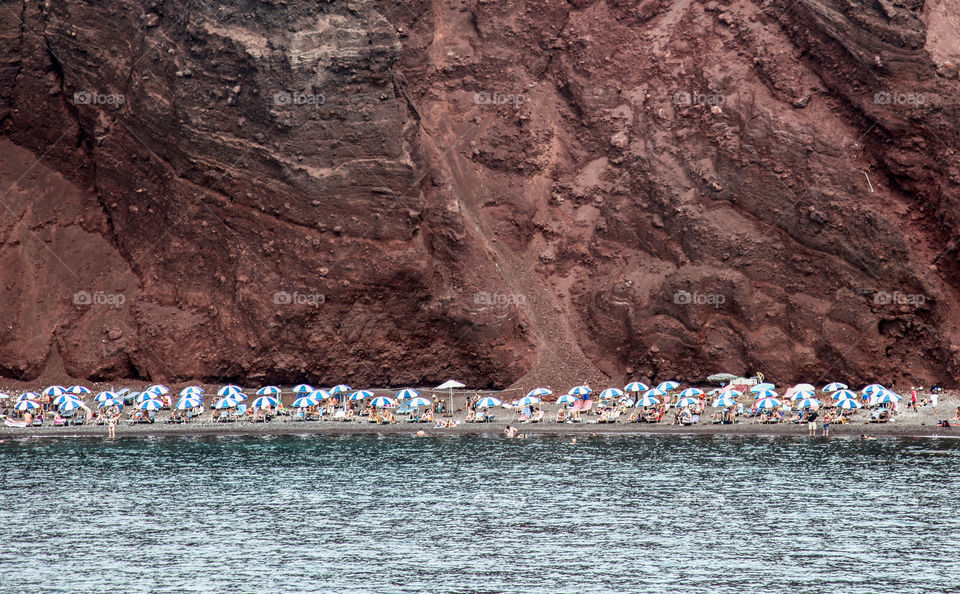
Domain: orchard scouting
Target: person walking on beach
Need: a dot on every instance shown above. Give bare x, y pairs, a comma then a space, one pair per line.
913, 399
812, 423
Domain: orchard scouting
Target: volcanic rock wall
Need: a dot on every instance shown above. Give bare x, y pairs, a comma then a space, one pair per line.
394, 193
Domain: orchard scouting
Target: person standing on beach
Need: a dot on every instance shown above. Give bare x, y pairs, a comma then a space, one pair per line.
934, 400
812, 423
913, 399
826, 424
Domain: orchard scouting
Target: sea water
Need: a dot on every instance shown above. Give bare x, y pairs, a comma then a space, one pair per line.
480, 514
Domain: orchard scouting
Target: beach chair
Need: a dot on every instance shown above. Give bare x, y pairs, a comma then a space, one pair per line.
537, 417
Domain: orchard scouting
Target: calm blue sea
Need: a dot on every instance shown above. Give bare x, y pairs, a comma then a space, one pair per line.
480, 514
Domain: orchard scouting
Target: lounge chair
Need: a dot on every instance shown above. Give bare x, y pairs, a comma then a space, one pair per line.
537, 417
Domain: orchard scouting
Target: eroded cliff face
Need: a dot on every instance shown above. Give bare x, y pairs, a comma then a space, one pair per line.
548, 191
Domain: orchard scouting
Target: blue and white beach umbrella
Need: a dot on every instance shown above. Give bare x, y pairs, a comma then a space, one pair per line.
64, 398
28, 396
731, 393
567, 399
70, 407
767, 403
873, 390
151, 404
319, 394
382, 401
305, 402
188, 402
194, 390
27, 405
104, 396
764, 394
761, 387
79, 390
340, 389
540, 392
143, 397
886, 397
654, 393
158, 389
268, 391
303, 389
667, 386
844, 395
528, 401
227, 402
636, 387
580, 391
361, 394
848, 404
418, 402
834, 386
809, 403
611, 393
54, 391
684, 402
265, 401
110, 402
801, 394
230, 390
691, 393
724, 401
648, 400
489, 402
406, 394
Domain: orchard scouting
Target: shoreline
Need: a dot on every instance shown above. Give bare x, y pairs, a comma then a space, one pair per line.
276, 428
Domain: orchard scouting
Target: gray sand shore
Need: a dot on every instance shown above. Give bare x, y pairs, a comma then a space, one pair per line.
905, 424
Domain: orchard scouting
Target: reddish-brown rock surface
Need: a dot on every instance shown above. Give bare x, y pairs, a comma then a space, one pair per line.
395, 193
